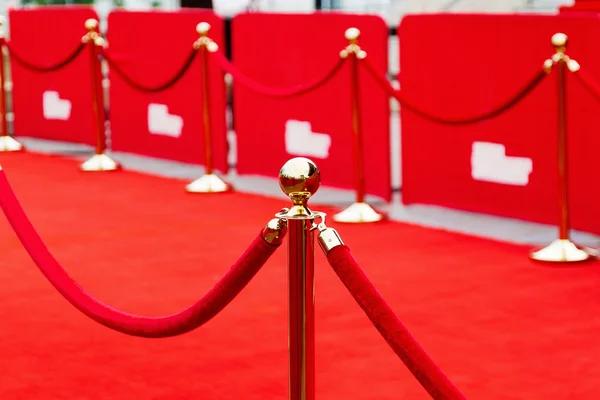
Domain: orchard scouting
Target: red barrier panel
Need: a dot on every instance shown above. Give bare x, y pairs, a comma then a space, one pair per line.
508, 165
150, 48
285, 51
53, 105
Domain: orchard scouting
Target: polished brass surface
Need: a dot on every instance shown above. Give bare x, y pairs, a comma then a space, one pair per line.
352, 35
204, 41
329, 239
548, 64
209, 183
299, 179
573, 65
275, 231
8, 143
100, 162
358, 213
561, 251
202, 28
91, 24
559, 40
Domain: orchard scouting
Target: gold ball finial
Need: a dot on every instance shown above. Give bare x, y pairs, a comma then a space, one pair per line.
202, 28
352, 33
91, 24
299, 179
1, 20
559, 40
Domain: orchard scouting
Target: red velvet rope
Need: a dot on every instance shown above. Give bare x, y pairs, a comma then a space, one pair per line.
391, 328
588, 83
43, 68
257, 87
397, 94
184, 321
146, 88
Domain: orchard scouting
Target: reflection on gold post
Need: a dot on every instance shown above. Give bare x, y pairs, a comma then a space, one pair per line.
300, 179
99, 161
360, 211
562, 250
210, 182
7, 142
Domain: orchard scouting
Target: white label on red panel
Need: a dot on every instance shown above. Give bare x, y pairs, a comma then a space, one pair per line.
54, 107
160, 122
489, 163
300, 140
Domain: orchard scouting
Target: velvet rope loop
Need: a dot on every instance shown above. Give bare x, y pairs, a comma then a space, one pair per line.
390, 327
257, 87
145, 88
43, 68
398, 95
588, 83
184, 321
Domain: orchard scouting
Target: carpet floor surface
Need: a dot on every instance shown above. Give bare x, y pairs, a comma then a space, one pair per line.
499, 325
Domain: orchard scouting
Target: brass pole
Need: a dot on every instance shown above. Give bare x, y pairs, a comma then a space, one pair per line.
100, 161
360, 211
3, 91
563, 230
92, 26
300, 179
210, 182
562, 250
357, 125
7, 142
205, 103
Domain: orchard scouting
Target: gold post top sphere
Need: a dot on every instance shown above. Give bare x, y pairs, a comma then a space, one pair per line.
559, 40
299, 179
352, 33
202, 28
91, 24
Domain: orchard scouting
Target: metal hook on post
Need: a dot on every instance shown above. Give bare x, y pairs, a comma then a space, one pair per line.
210, 182
360, 211
562, 250
99, 161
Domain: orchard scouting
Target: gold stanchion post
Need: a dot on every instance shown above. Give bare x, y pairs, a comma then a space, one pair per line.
562, 250
7, 142
300, 179
360, 211
210, 182
99, 161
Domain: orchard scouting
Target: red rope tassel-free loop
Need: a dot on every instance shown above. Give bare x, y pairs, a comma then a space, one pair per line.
257, 87
502, 108
391, 328
43, 68
588, 83
182, 322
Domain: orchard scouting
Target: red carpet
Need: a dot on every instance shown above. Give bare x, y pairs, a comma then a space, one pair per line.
500, 326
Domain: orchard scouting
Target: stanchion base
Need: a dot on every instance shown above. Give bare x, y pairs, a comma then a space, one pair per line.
7, 143
561, 251
100, 162
358, 213
209, 183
